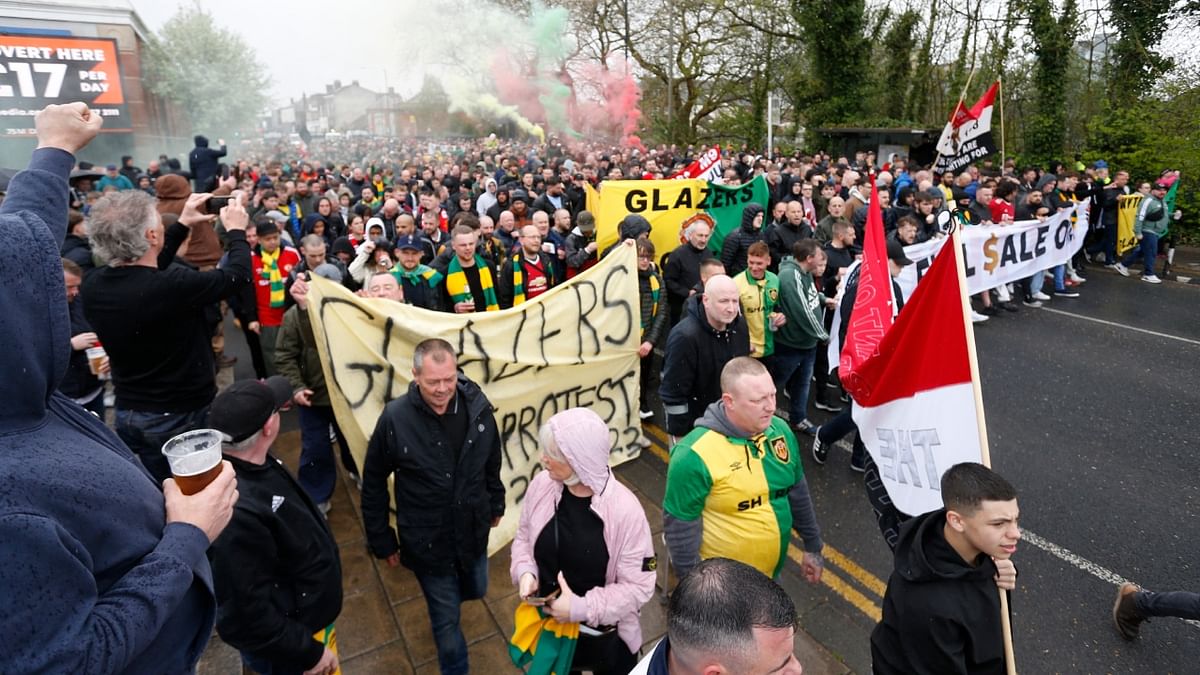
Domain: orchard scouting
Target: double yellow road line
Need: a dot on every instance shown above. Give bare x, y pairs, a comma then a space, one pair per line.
872, 587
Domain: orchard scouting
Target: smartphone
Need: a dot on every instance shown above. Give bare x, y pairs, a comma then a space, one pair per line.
541, 600
215, 204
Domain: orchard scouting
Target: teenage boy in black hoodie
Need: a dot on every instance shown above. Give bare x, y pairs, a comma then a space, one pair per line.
941, 611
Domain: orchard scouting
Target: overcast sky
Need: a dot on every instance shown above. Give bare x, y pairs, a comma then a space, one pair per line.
306, 44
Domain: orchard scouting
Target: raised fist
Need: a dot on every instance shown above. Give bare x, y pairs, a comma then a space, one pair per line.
70, 126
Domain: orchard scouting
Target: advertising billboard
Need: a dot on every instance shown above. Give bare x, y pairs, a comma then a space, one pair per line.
37, 70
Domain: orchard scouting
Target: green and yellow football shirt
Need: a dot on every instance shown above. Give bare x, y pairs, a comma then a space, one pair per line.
740, 486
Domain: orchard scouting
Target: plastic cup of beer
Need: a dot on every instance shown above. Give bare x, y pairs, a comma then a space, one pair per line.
95, 357
195, 459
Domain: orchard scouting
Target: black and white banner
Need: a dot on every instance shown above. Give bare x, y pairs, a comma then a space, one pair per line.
968, 135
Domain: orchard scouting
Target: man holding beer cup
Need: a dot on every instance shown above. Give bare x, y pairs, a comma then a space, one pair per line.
100, 570
276, 567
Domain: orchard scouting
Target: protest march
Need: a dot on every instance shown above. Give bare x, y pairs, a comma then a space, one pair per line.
567, 396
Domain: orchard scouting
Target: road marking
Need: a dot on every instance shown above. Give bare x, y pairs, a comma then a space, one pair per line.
862, 576
1079, 562
1121, 325
839, 585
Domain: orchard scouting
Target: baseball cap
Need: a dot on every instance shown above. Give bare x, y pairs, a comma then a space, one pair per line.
111, 167
895, 252
1100, 164
1161, 184
267, 227
586, 222
408, 242
246, 405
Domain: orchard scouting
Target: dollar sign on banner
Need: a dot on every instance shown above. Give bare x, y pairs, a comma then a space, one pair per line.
989, 252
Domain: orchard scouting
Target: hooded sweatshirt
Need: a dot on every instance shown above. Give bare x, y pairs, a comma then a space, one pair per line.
731, 495
583, 439
202, 162
940, 614
631, 227
92, 578
733, 250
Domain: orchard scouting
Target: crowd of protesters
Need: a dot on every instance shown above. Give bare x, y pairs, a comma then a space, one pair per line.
150, 271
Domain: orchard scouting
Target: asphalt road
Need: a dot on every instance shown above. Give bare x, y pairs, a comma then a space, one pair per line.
1095, 424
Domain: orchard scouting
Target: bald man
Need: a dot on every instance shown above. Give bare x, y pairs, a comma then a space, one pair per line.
711, 332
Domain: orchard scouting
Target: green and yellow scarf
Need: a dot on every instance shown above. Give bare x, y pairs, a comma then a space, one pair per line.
518, 280
270, 272
542, 643
460, 290
654, 294
420, 273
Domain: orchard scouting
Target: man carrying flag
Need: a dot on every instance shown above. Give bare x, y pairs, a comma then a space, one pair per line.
918, 406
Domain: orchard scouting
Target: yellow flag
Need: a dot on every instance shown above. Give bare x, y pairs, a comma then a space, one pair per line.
1127, 206
665, 203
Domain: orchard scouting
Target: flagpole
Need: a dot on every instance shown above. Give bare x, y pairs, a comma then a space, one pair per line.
1000, 82
961, 96
1010, 659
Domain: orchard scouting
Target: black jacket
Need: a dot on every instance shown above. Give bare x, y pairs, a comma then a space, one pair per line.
79, 380
443, 511
733, 249
940, 615
696, 352
681, 272
782, 237
202, 162
79, 251
276, 569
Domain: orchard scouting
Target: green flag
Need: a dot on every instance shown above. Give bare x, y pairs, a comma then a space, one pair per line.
724, 205
1169, 199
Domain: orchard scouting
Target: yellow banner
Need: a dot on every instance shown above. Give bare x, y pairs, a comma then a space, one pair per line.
573, 346
1127, 206
665, 203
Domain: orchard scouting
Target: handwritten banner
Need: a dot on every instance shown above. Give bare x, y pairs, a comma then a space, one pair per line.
574, 346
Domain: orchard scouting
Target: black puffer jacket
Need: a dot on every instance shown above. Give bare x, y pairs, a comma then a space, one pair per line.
443, 511
276, 569
733, 250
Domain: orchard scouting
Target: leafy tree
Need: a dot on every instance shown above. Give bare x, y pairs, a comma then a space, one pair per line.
895, 81
1135, 65
834, 33
1053, 38
208, 71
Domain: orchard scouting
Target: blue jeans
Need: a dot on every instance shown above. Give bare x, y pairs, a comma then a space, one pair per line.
793, 370
1147, 250
317, 474
1182, 604
146, 432
444, 595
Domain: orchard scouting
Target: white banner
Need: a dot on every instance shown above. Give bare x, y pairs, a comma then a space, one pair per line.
1003, 254
994, 255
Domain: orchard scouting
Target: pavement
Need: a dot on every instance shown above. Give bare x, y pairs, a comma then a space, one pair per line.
1091, 407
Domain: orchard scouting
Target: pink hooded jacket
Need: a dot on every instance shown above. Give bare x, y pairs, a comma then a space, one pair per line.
629, 580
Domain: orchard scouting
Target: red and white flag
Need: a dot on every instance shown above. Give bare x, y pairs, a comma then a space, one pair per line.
874, 306
968, 135
915, 402
706, 167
